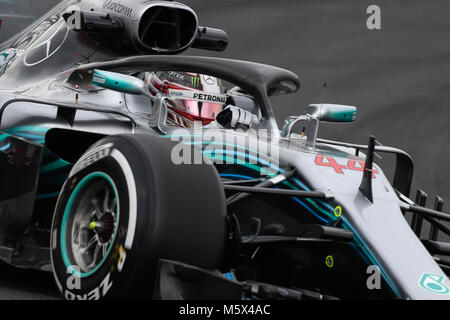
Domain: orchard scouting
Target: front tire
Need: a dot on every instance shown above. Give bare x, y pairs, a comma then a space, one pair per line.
124, 206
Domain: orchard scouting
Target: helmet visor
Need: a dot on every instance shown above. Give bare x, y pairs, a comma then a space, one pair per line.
204, 110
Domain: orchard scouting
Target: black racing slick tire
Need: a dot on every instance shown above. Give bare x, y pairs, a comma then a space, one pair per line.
124, 206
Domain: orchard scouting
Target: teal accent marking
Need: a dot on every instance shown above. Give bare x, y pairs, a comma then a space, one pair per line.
34, 133
58, 164
111, 81
343, 116
31, 129
27, 135
433, 283
72, 198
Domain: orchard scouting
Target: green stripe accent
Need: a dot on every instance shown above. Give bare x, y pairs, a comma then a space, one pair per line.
31, 129
3, 136
58, 164
67, 211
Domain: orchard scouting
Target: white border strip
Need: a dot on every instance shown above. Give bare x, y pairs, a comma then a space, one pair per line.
132, 196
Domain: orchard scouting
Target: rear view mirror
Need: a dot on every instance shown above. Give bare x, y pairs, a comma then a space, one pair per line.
119, 82
332, 112
314, 114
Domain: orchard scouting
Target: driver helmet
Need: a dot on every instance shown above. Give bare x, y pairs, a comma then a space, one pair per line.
193, 97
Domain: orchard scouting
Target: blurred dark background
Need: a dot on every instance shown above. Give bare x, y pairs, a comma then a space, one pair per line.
398, 77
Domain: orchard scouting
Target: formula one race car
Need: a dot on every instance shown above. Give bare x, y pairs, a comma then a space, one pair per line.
131, 172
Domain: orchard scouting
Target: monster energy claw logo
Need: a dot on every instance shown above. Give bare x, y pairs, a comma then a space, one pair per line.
195, 82
433, 283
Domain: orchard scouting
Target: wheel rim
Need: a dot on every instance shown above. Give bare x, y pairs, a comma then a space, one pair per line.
89, 224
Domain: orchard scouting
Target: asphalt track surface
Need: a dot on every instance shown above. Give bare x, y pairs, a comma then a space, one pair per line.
398, 77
